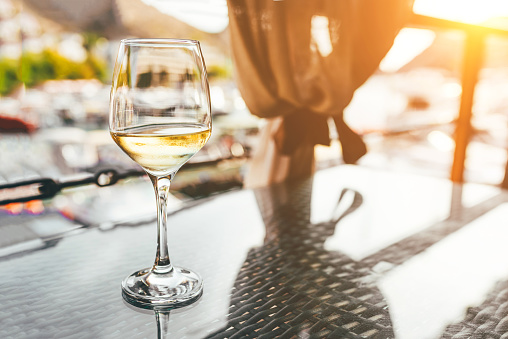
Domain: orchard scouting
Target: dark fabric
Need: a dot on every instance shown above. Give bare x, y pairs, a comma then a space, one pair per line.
284, 69
301, 127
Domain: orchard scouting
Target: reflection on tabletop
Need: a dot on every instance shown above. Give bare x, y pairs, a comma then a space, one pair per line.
354, 252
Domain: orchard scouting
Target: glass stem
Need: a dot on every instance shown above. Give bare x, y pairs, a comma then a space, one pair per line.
162, 324
161, 186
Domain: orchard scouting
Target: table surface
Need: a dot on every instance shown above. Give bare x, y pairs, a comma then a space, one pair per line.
350, 253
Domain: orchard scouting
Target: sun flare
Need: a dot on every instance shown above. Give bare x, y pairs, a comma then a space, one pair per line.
467, 11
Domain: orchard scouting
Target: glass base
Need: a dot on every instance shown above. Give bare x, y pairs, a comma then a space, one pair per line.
176, 288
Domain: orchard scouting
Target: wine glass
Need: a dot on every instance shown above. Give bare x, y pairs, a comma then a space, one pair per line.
160, 117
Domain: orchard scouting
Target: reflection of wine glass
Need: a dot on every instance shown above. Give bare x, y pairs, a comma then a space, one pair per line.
160, 117
162, 319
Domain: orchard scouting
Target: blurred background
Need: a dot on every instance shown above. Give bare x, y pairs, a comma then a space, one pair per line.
448, 69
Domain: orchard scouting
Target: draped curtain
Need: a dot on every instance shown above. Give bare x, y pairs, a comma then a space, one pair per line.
298, 63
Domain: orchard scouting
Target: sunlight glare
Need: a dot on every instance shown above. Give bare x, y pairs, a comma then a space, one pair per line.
210, 16
467, 11
321, 35
409, 43
441, 141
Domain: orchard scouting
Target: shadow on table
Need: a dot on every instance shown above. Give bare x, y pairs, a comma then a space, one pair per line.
292, 286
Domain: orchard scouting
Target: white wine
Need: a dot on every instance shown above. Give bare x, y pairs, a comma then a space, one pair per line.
162, 149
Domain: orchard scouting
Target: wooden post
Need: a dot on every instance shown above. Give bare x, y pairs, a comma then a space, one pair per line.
473, 55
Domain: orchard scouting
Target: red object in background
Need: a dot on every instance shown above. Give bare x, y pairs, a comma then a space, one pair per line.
15, 125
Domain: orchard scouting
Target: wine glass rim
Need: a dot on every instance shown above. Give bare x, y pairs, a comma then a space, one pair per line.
158, 42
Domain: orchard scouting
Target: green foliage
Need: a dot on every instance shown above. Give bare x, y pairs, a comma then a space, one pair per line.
33, 69
90, 40
99, 67
49, 65
9, 78
218, 71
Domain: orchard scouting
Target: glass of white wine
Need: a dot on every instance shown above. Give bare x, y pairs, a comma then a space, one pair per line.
160, 117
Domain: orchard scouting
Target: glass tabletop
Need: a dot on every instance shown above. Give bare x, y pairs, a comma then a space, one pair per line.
350, 253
